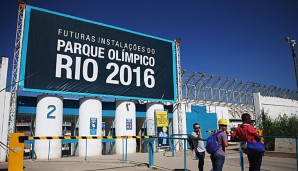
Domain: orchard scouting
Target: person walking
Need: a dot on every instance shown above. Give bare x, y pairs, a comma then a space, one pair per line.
218, 157
196, 137
247, 133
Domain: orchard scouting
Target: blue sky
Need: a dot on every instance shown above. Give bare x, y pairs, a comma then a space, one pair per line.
231, 38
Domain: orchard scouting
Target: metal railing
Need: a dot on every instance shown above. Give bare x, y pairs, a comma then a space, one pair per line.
150, 145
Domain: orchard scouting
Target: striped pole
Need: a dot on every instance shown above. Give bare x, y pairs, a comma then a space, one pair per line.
23, 138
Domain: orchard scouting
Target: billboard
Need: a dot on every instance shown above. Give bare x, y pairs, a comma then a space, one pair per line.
69, 55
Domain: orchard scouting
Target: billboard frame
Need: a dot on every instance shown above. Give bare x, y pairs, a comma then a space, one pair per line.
24, 58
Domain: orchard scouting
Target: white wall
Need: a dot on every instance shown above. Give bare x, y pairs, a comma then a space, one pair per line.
4, 106
4, 114
285, 145
274, 106
221, 112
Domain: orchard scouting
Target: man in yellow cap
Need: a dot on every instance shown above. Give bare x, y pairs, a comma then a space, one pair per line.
218, 158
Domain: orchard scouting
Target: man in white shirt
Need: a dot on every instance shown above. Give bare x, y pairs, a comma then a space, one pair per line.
199, 147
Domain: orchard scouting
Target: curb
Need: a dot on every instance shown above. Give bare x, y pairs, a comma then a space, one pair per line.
280, 154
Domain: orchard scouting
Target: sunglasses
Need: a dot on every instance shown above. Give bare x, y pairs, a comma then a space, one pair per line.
197, 127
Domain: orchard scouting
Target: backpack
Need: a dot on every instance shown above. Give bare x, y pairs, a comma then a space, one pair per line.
190, 142
211, 143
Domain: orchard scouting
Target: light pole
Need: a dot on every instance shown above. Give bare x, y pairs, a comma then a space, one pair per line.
293, 43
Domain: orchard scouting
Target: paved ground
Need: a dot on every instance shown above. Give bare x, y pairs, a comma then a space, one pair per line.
139, 161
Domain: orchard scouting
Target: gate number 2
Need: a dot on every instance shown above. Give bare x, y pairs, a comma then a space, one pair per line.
49, 115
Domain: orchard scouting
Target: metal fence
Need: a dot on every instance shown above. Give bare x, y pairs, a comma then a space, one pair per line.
70, 144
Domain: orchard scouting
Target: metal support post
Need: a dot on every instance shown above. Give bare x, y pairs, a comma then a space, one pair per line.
172, 147
122, 149
241, 159
49, 150
295, 64
125, 149
86, 150
179, 89
297, 152
32, 151
16, 66
184, 141
150, 152
293, 43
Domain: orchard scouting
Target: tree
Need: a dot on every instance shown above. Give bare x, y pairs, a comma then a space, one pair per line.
283, 125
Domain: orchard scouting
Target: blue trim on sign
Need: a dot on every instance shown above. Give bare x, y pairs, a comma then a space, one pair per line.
70, 111
69, 141
32, 110
26, 110
28, 141
108, 140
174, 71
95, 95
75, 112
141, 114
99, 23
24, 45
108, 113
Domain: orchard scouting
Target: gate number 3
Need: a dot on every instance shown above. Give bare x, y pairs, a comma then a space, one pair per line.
53, 109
